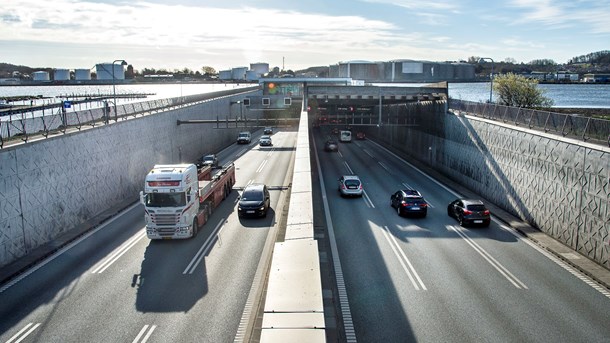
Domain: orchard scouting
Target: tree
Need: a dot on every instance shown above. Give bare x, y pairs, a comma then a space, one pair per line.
516, 90
208, 71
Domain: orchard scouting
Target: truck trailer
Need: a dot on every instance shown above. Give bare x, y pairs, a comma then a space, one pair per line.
178, 199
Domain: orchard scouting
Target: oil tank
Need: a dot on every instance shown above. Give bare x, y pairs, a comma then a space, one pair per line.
239, 73
61, 75
224, 75
40, 76
82, 74
252, 75
104, 71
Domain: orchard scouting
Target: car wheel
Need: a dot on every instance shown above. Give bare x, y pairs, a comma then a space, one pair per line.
461, 220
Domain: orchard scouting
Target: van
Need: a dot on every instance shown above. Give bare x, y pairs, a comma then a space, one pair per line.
244, 138
346, 136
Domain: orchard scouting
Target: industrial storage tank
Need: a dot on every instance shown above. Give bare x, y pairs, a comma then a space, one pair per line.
260, 68
82, 74
225, 75
239, 73
252, 75
61, 75
361, 70
40, 76
104, 71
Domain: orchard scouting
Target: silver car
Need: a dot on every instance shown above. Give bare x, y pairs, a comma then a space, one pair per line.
350, 185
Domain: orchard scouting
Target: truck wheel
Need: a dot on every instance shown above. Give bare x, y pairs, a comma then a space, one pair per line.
195, 227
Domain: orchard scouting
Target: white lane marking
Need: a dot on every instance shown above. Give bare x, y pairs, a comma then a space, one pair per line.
497, 265
340, 154
23, 333
241, 152
262, 166
368, 153
63, 250
367, 200
349, 170
584, 278
204, 248
384, 167
402, 258
146, 329
346, 314
117, 253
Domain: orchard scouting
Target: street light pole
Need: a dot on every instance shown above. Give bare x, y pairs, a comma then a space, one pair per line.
491, 77
123, 63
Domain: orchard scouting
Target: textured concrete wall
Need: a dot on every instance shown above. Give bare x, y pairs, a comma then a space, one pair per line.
51, 186
558, 185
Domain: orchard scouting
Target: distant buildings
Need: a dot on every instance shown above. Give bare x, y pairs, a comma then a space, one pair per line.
404, 71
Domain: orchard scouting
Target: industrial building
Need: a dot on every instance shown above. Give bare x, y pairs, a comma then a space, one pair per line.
82, 74
404, 71
41, 76
61, 75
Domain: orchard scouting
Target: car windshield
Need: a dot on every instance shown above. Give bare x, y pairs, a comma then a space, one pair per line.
252, 195
165, 200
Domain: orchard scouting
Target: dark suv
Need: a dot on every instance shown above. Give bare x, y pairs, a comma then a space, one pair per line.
409, 201
254, 201
469, 211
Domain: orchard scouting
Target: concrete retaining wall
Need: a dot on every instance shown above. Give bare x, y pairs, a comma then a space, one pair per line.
558, 185
51, 186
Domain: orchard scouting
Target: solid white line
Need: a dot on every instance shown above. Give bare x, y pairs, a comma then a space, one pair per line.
152, 328
368, 153
497, 265
402, 258
203, 250
119, 252
22, 332
349, 170
63, 250
261, 167
346, 315
584, 278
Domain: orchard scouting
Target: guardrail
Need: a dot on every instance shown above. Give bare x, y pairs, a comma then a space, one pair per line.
26, 125
594, 130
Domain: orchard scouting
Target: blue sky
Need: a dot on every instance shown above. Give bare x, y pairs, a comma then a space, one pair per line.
295, 35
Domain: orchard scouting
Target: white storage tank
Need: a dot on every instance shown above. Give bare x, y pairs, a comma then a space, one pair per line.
104, 71
40, 76
259, 68
82, 74
61, 75
252, 75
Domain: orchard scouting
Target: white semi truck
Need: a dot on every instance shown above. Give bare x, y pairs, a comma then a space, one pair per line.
179, 198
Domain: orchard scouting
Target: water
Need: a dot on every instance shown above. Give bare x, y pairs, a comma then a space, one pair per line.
567, 95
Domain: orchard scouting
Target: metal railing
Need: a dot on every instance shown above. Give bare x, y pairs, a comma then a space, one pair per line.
588, 129
26, 125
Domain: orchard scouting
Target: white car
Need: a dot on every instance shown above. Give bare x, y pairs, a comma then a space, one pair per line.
265, 141
350, 185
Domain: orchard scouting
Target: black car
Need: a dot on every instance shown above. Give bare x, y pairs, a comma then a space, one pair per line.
254, 201
331, 145
409, 201
268, 131
469, 211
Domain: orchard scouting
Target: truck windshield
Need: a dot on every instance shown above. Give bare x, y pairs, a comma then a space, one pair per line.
165, 200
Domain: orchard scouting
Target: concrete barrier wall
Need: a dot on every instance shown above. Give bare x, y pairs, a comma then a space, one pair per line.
51, 186
558, 185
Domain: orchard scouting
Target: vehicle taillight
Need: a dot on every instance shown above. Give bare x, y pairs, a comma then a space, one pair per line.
360, 187
424, 204
486, 212
467, 211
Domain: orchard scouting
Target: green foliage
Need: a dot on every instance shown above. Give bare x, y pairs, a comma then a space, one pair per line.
519, 91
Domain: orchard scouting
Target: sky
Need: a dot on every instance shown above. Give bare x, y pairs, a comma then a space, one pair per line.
295, 35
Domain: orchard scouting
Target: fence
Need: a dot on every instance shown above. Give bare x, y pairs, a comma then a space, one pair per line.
583, 128
28, 124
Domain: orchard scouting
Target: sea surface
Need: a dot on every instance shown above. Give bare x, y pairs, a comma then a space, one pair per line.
565, 95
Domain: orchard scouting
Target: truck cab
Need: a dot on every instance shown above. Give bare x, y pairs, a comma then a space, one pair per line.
345, 136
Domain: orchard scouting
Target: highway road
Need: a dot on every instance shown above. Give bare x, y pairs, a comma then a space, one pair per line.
116, 285
430, 280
